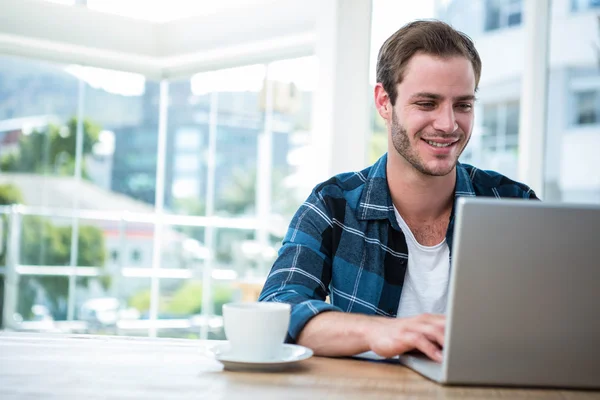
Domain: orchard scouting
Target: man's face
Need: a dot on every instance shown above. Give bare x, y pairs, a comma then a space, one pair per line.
432, 119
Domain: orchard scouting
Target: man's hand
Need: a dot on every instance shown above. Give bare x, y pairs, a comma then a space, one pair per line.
335, 334
389, 337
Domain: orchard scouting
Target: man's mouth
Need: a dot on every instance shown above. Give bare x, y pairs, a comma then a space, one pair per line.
441, 143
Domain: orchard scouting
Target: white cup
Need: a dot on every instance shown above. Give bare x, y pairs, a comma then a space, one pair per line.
256, 331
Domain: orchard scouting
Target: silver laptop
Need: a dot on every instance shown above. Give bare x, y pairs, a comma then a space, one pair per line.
524, 300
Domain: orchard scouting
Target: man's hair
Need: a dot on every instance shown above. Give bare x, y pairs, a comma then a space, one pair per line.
430, 37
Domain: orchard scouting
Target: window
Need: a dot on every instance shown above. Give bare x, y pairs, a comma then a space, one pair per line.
582, 5
500, 127
186, 163
39, 106
136, 256
188, 139
587, 107
501, 14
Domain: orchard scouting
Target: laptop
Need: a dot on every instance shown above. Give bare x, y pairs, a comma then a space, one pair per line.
524, 297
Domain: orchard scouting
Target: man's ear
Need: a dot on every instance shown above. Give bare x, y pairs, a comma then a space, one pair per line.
382, 102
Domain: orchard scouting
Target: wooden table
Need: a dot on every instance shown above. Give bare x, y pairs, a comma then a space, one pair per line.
53, 366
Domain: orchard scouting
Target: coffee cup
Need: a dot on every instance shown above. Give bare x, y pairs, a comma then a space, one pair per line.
256, 331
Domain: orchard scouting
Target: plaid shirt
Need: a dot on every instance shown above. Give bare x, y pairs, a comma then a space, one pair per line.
345, 242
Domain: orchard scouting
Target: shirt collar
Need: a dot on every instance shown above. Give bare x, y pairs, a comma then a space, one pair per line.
376, 202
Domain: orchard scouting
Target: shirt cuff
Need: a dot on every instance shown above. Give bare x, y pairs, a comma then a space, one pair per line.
302, 313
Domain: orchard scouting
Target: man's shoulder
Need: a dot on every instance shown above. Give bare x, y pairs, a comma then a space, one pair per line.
494, 184
347, 186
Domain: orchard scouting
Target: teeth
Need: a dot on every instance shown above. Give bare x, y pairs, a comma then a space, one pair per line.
438, 144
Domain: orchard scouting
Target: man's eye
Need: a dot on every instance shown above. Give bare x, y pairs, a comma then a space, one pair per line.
465, 107
426, 104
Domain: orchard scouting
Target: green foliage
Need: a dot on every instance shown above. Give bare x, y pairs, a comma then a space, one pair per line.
51, 150
187, 300
140, 301
379, 136
10, 194
221, 294
190, 206
43, 243
377, 146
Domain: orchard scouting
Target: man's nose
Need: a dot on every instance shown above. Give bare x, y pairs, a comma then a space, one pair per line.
445, 120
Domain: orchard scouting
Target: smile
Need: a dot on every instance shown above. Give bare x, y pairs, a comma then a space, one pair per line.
438, 144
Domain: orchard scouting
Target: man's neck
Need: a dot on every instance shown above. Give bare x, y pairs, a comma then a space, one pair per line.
417, 196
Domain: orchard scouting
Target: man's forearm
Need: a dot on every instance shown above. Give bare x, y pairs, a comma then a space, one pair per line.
337, 334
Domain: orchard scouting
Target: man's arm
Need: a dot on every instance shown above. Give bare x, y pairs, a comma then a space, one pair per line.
301, 276
302, 272
346, 334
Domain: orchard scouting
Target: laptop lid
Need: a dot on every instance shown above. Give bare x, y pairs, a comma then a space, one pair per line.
524, 300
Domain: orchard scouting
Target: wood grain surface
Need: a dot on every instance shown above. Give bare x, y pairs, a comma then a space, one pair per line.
53, 366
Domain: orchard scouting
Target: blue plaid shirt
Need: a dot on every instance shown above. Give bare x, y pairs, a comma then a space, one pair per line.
345, 242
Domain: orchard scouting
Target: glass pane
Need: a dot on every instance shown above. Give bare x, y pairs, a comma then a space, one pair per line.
38, 109
136, 249
492, 15
183, 248
573, 104
238, 252
222, 293
102, 303
490, 120
181, 306
180, 298
133, 295
120, 163
47, 241
240, 120
41, 300
512, 118
293, 83
587, 107
514, 18
187, 155
582, 5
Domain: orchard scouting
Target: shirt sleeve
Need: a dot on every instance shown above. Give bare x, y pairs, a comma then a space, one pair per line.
530, 194
301, 273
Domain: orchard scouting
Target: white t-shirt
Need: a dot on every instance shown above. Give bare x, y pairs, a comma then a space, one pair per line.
425, 288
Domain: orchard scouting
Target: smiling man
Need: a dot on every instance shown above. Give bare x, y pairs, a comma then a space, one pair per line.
378, 241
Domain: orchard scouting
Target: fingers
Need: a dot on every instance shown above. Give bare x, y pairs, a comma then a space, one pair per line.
396, 336
434, 332
427, 347
428, 335
434, 319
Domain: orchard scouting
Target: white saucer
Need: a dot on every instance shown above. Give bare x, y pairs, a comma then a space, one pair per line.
290, 355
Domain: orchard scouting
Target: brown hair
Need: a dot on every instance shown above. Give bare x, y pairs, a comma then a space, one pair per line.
431, 37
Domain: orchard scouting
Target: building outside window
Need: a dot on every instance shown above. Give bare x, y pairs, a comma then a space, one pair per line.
118, 258
136, 256
501, 127
587, 107
582, 5
501, 14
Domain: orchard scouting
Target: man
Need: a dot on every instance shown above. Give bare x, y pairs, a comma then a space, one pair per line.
378, 241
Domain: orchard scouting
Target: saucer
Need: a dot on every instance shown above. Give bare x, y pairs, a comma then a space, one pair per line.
290, 355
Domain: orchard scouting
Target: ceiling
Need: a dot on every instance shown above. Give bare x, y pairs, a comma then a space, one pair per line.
155, 42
